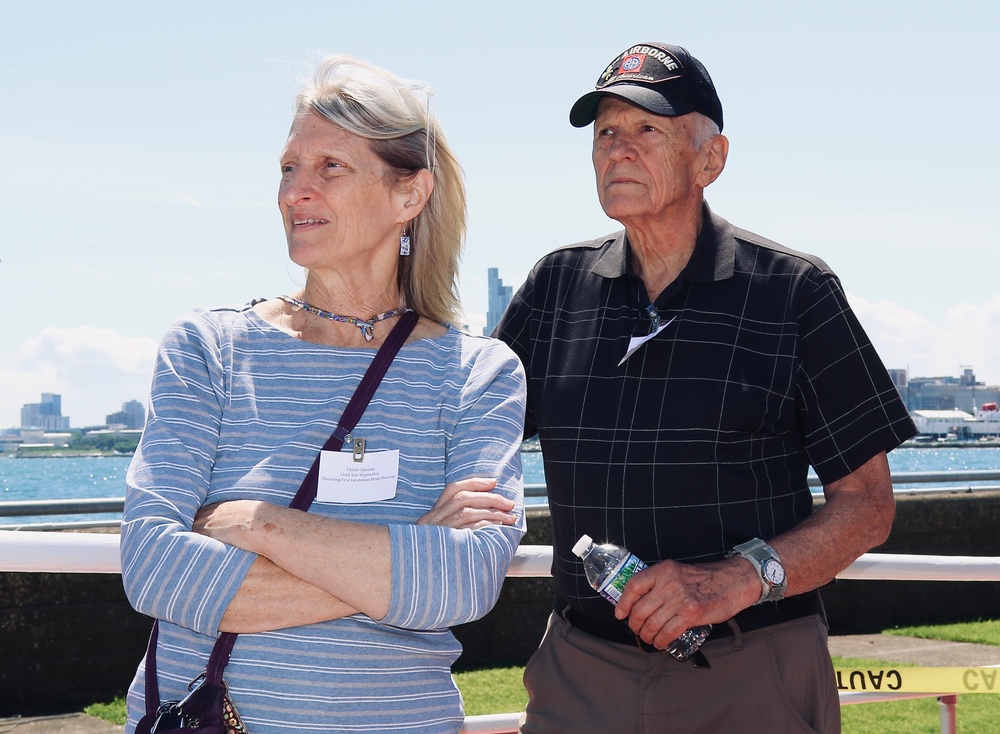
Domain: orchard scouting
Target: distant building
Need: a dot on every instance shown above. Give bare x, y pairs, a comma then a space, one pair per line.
964, 393
131, 416
899, 378
499, 297
958, 423
46, 415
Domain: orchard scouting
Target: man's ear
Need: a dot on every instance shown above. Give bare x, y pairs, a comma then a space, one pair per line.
714, 153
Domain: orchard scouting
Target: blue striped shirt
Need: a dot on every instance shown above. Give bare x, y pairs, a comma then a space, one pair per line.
238, 410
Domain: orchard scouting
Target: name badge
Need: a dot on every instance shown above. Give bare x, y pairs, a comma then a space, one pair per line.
345, 480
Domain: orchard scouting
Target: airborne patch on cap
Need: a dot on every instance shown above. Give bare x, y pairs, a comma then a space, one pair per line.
642, 63
657, 77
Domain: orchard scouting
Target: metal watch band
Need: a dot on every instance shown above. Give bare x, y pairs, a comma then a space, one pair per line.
768, 565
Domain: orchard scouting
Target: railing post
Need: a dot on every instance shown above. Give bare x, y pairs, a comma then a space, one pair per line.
947, 704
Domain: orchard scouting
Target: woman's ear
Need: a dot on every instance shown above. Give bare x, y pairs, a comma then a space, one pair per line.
418, 191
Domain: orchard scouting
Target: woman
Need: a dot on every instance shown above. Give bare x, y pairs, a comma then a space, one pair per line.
343, 610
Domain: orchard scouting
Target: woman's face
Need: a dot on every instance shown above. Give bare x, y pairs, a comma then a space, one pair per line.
335, 198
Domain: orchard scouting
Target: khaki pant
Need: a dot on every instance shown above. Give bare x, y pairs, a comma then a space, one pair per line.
776, 680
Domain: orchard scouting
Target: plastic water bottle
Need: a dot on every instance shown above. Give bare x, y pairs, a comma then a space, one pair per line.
609, 567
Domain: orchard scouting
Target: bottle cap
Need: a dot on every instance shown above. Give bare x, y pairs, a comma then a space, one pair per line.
580, 549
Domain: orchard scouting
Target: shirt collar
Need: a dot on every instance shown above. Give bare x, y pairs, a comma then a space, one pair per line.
714, 256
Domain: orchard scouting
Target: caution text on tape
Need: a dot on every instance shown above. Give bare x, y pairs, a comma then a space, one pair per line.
919, 680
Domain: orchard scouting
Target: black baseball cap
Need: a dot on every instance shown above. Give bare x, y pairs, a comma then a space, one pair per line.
660, 78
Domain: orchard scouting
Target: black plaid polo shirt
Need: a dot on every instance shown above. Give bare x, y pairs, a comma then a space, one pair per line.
702, 439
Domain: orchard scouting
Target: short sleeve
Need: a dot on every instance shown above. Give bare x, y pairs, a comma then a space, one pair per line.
850, 407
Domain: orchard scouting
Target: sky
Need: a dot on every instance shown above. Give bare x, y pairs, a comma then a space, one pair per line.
139, 146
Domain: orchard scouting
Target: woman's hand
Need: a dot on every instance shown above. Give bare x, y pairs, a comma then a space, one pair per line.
469, 504
230, 522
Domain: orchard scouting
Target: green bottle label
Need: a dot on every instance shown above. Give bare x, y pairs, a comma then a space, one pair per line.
614, 585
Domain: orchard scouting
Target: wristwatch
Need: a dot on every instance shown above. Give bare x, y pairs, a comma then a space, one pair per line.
768, 565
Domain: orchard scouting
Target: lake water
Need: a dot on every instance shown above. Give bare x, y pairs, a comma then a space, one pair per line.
95, 477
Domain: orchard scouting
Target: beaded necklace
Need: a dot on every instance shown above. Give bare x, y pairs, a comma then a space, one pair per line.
365, 326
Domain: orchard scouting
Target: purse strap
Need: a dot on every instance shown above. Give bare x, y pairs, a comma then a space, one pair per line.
304, 497
356, 407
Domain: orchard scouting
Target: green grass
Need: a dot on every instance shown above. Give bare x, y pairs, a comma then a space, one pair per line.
983, 632
500, 690
113, 711
492, 690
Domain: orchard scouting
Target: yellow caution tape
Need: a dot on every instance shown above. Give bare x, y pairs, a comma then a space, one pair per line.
919, 680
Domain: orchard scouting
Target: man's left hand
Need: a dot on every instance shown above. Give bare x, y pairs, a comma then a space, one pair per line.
664, 600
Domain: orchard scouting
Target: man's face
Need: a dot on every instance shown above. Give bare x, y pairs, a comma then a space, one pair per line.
645, 163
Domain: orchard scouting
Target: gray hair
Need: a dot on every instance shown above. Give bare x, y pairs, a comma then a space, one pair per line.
374, 104
703, 129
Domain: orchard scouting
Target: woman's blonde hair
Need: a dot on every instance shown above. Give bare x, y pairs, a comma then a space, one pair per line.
375, 104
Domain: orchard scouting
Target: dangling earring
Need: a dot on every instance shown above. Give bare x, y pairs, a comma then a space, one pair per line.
404, 243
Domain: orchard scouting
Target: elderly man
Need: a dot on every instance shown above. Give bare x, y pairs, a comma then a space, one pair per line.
682, 377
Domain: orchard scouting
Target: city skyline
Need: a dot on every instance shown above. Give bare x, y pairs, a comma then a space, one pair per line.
142, 149
498, 296
47, 416
919, 392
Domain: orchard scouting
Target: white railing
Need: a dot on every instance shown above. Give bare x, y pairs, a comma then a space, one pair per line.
34, 551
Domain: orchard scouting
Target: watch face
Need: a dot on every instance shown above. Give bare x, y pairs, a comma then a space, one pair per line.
774, 572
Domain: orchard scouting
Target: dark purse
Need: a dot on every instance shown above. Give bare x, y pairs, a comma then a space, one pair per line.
208, 709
